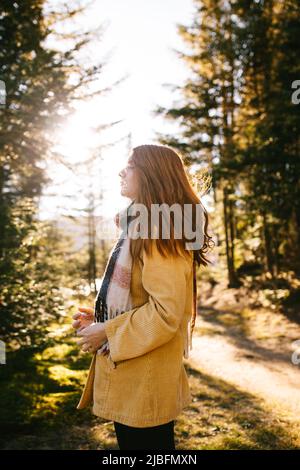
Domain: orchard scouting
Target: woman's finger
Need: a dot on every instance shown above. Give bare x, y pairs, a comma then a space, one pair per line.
81, 328
76, 324
84, 316
80, 331
88, 310
82, 341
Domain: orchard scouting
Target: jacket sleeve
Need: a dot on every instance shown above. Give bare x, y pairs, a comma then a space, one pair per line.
144, 328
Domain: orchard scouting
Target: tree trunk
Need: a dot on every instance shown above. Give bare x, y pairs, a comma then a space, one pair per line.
268, 246
229, 241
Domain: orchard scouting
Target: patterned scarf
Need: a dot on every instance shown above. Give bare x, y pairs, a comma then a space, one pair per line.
114, 296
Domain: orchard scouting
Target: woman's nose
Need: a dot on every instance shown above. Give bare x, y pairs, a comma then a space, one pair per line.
122, 173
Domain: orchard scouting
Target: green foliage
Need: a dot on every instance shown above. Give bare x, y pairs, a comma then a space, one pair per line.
237, 119
30, 276
39, 392
42, 81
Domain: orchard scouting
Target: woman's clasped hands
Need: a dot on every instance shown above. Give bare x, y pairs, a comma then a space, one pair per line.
92, 334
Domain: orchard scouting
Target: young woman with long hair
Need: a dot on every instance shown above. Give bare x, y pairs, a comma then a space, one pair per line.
142, 323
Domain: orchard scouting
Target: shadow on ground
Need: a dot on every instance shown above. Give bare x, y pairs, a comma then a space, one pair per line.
40, 391
222, 417
235, 326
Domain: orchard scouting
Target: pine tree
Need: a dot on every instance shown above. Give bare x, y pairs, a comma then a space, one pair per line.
208, 113
237, 118
41, 82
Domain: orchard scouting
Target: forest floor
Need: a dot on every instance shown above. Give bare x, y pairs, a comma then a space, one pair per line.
245, 387
250, 387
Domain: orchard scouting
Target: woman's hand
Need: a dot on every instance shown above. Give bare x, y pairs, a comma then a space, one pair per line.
93, 336
83, 318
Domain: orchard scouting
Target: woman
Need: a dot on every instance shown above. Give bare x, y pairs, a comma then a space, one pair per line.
144, 312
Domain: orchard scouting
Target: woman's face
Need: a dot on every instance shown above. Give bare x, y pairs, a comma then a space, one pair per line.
129, 184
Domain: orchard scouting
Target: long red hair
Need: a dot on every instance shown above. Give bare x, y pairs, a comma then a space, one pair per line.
163, 178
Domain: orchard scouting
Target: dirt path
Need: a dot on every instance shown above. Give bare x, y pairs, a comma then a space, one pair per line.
267, 372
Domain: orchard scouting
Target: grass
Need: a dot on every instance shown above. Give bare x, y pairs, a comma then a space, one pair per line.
222, 417
40, 390
39, 393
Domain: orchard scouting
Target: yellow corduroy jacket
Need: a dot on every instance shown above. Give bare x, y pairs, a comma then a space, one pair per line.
143, 381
